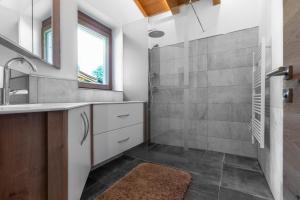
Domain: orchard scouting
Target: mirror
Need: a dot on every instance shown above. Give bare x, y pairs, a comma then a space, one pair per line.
29, 24
16, 25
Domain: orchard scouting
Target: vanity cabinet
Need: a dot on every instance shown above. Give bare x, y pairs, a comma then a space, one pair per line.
47, 152
45, 155
79, 150
117, 128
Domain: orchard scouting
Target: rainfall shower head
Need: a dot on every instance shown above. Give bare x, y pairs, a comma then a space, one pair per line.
156, 33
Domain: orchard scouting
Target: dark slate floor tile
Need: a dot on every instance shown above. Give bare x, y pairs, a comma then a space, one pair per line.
130, 165
171, 150
246, 181
158, 157
90, 182
140, 151
227, 194
209, 176
206, 168
93, 191
242, 162
202, 192
194, 155
213, 158
111, 167
111, 178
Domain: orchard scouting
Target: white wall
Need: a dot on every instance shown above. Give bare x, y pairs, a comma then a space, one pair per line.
118, 59
271, 157
229, 16
135, 61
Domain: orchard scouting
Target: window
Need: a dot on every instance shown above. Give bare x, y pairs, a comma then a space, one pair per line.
94, 52
47, 41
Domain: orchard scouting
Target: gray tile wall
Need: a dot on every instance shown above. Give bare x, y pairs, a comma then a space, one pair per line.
218, 95
54, 90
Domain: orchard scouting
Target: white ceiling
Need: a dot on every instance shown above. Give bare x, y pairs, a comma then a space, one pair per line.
42, 9
113, 13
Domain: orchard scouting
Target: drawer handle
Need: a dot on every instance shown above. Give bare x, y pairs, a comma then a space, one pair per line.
125, 140
85, 130
86, 127
122, 116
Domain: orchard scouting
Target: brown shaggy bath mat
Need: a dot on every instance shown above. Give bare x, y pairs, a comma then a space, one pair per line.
149, 182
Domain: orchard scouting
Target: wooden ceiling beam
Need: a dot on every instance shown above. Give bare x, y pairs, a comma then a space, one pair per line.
140, 6
216, 2
173, 5
154, 7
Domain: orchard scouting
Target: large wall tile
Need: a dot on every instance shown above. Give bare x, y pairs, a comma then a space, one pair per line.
242, 76
57, 90
198, 63
198, 111
219, 112
167, 53
221, 43
155, 67
176, 124
229, 130
240, 131
155, 55
236, 40
173, 138
220, 77
52, 90
230, 94
219, 129
160, 110
231, 59
171, 80
173, 66
232, 147
247, 38
198, 95
197, 128
198, 79
198, 47
33, 88
175, 110
230, 77
174, 95
241, 112
159, 124
199, 143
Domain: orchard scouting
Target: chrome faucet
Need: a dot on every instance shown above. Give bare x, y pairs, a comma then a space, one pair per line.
6, 76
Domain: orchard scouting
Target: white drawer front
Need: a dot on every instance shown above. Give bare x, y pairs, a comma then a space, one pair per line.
115, 116
100, 148
110, 144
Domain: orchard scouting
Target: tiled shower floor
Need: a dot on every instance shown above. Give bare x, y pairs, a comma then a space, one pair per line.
216, 176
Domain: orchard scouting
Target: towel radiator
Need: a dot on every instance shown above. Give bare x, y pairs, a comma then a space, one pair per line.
258, 95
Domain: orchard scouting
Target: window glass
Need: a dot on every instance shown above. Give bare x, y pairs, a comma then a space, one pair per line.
48, 46
92, 56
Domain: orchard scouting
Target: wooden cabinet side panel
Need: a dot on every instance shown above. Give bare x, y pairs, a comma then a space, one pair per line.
57, 126
23, 157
